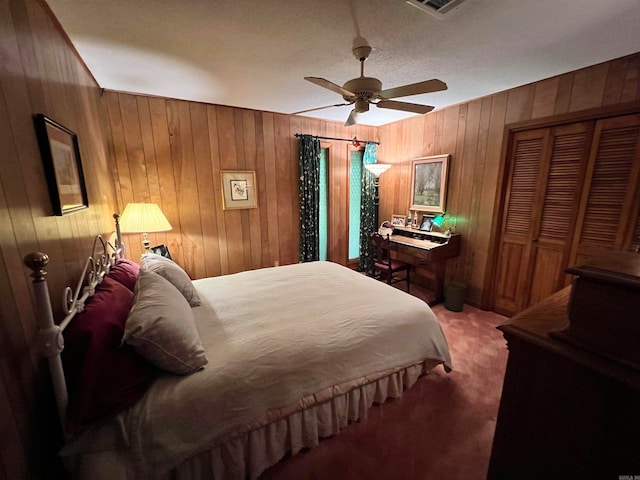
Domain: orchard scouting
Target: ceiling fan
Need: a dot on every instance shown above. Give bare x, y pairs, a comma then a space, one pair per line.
364, 91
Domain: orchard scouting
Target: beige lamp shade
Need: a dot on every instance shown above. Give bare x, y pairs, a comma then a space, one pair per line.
143, 218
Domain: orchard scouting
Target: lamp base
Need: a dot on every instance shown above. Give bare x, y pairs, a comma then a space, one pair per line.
146, 243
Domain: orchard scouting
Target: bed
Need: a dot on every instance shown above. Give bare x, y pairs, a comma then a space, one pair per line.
281, 357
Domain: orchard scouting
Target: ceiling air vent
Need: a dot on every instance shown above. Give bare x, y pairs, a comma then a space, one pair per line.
437, 8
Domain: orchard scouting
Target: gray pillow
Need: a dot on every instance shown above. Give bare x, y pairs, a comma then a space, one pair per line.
161, 328
174, 273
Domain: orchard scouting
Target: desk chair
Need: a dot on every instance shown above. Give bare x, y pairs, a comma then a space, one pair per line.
384, 267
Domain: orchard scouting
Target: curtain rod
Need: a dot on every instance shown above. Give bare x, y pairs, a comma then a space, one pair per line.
352, 140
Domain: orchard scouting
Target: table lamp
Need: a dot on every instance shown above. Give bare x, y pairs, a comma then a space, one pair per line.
143, 218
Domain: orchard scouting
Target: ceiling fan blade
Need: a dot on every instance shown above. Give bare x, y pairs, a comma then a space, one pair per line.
321, 108
404, 106
353, 118
330, 86
427, 86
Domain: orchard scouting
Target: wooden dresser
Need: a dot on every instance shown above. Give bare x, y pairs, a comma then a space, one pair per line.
566, 412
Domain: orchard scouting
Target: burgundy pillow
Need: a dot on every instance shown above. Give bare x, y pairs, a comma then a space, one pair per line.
126, 272
103, 375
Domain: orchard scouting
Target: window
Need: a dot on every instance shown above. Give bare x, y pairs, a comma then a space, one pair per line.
324, 205
355, 192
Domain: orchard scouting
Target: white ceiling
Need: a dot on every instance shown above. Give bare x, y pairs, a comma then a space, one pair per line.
254, 54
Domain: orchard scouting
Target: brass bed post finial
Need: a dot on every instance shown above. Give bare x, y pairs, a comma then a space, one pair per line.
37, 261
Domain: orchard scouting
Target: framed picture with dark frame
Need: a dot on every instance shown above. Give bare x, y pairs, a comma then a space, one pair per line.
62, 166
161, 250
429, 183
426, 225
239, 190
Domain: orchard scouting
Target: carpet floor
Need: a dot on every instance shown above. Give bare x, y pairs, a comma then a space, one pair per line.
441, 428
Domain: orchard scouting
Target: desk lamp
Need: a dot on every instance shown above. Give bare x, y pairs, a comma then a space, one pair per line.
143, 218
439, 219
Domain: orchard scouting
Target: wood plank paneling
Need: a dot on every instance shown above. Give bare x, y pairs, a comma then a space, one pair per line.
40, 73
477, 157
192, 143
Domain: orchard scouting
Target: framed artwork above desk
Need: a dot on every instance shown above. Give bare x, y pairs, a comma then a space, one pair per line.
429, 183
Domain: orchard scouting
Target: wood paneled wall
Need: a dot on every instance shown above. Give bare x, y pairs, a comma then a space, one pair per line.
474, 134
40, 73
171, 152
137, 148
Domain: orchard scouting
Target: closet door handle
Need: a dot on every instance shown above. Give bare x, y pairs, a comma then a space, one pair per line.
536, 239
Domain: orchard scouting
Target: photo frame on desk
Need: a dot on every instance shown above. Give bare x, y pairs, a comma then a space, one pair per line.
426, 225
398, 220
161, 250
429, 183
62, 166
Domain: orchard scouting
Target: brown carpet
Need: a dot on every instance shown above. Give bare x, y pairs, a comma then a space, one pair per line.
441, 428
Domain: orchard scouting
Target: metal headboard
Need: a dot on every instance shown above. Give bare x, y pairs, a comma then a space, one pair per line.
49, 337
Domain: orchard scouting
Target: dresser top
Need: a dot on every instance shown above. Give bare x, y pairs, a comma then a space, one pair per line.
544, 324
621, 268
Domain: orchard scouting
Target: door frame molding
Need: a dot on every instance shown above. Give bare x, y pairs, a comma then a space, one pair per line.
487, 299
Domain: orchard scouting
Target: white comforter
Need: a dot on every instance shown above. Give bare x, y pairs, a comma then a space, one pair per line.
278, 340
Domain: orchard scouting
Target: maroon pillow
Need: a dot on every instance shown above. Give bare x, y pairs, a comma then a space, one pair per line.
103, 375
126, 272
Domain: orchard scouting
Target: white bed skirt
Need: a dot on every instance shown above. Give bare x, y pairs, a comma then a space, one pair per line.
250, 454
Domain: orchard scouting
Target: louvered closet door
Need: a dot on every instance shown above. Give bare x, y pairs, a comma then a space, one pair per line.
540, 212
609, 217
554, 230
526, 155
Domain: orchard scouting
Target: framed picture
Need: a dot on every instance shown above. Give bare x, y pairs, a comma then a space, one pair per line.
398, 220
161, 250
239, 190
62, 166
429, 183
426, 225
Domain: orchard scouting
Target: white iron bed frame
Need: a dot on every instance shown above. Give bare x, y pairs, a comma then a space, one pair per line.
49, 336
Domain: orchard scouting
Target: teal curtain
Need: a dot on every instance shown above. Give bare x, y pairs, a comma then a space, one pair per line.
309, 198
367, 209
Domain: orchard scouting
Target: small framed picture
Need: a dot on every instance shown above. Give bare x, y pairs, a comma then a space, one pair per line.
161, 250
426, 223
62, 166
239, 190
398, 220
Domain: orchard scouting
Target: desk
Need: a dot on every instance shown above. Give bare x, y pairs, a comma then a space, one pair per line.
427, 250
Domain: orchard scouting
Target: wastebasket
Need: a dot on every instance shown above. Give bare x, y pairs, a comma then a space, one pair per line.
454, 296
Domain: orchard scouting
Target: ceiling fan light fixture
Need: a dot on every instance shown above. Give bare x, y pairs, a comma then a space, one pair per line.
362, 105
353, 118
